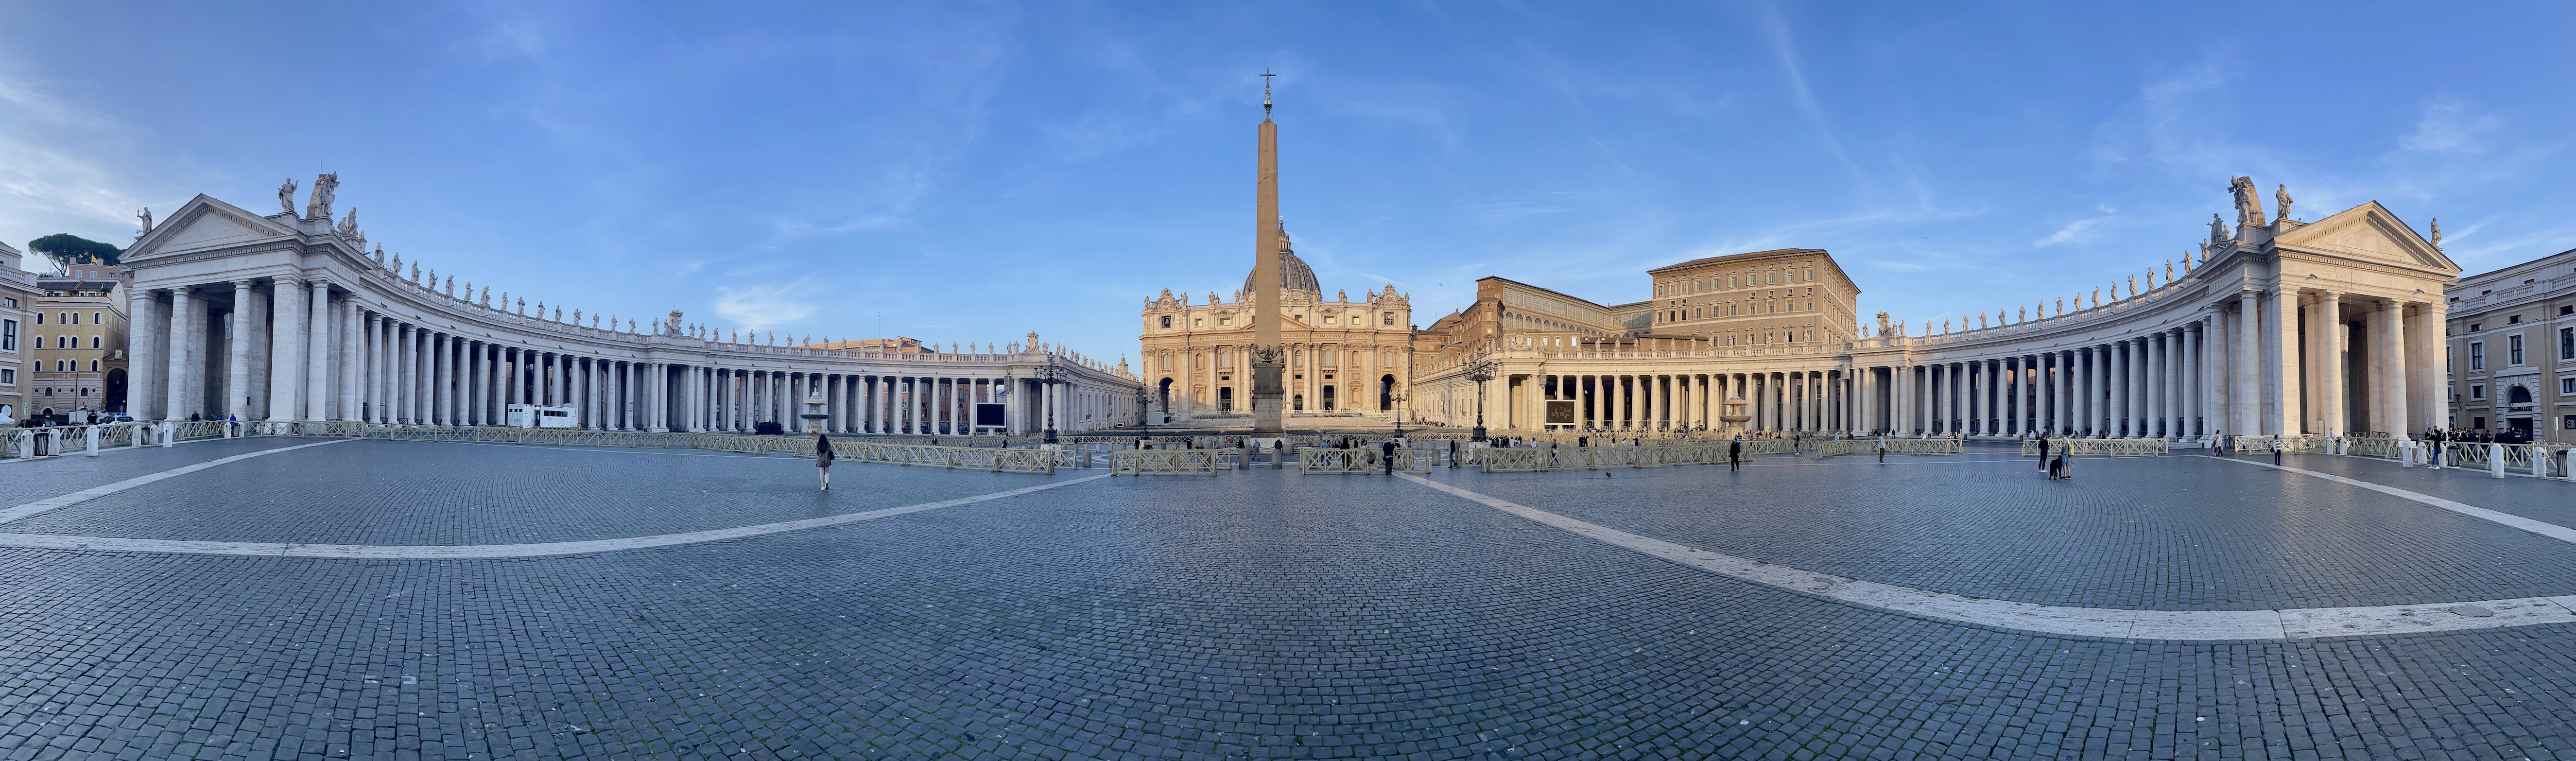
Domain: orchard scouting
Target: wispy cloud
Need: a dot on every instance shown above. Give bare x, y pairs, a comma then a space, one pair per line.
52, 161
2074, 232
1776, 30
2449, 127
764, 307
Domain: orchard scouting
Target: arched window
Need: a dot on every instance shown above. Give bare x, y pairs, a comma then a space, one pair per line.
2519, 395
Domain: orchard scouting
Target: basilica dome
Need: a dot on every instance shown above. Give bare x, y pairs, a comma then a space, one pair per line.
1294, 275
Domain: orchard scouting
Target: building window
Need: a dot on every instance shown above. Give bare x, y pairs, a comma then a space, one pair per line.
8, 376
2478, 356
1167, 321
93, 365
1224, 320
2567, 386
2512, 351
2567, 343
2567, 423
8, 335
95, 318
2478, 391
93, 341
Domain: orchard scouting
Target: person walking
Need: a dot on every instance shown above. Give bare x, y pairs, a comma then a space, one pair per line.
2276, 452
2043, 453
823, 459
1882, 449
2057, 467
1386, 451
1735, 455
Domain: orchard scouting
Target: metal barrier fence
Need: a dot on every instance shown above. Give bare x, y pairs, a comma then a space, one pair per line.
1932, 446
2374, 447
1163, 462
1835, 448
2075, 447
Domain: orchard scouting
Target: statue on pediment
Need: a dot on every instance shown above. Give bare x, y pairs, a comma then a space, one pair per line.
2437, 233
325, 190
146, 215
2281, 202
2249, 202
286, 197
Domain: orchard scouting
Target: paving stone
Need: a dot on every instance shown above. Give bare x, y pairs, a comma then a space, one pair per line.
1258, 614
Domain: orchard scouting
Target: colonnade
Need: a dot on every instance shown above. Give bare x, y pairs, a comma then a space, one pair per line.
1785, 400
2264, 362
281, 350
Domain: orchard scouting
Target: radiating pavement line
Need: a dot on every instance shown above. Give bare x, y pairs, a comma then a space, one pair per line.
2117, 623
2551, 530
486, 551
84, 495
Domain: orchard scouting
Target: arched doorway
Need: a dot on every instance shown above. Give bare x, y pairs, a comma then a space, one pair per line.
1163, 395
112, 398
1385, 393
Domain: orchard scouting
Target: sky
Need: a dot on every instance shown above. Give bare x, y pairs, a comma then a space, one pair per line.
970, 172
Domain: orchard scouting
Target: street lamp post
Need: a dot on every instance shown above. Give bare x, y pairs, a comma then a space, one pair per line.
1050, 374
1397, 397
1144, 407
1480, 371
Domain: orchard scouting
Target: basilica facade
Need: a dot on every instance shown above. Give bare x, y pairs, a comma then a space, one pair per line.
1348, 360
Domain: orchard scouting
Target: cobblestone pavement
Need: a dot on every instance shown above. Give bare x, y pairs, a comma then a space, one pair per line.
1253, 614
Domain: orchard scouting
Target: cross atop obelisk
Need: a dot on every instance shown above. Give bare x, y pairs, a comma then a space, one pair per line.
1269, 357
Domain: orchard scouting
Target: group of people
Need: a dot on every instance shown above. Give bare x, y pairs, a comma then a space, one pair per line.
2054, 463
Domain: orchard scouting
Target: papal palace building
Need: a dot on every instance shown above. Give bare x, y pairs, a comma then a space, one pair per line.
2275, 327
287, 317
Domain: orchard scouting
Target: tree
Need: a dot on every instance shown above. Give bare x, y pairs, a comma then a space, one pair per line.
67, 249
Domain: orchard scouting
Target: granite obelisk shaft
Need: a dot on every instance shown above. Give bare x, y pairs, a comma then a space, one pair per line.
1269, 358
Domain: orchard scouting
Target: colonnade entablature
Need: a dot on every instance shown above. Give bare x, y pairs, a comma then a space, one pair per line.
287, 317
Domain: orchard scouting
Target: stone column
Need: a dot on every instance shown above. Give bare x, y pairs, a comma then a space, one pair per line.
176, 383
148, 336
2245, 392
290, 344
2283, 343
2403, 405
2331, 369
316, 345
237, 353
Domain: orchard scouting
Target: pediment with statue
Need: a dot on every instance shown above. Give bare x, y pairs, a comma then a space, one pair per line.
2371, 233
203, 223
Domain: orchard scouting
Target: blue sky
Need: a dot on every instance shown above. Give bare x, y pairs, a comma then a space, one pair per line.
976, 171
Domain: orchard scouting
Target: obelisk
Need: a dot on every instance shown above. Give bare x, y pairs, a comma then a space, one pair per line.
1269, 358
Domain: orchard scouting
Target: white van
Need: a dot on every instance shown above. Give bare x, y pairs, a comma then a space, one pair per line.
535, 416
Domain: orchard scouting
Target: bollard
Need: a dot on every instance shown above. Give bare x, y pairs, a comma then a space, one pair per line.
2495, 460
2405, 453
26, 443
93, 441
169, 437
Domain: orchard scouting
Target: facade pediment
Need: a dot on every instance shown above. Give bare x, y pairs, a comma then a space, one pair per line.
2370, 233
205, 223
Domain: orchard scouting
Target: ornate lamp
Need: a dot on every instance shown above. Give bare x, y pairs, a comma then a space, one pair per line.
1480, 371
